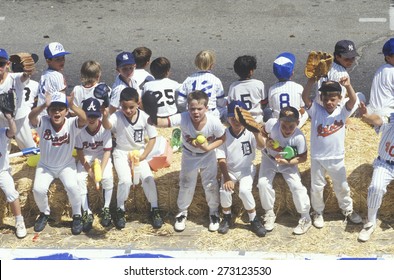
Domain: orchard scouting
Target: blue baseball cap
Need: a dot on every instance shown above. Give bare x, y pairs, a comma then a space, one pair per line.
284, 65
53, 50
232, 105
388, 47
124, 58
91, 106
4, 54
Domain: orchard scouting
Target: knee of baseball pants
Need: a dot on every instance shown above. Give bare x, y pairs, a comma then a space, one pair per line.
266, 193
82, 177
300, 198
226, 198
245, 194
375, 197
150, 189
8, 186
107, 183
212, 194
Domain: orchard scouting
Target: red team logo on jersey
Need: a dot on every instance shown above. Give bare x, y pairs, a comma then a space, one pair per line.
93, 146
329, 129
56, 140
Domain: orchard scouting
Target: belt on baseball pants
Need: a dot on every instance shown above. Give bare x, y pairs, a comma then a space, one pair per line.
271, 157
391, 162
193, 153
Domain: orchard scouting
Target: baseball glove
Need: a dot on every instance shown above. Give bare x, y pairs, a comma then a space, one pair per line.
101, 91
318, 64
149, 105
246, 119
23, 62
7, 102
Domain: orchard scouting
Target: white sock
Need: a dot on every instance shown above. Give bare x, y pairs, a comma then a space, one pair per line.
226, 212
107, 197
372, 214
19, 218
252, 215
84, 199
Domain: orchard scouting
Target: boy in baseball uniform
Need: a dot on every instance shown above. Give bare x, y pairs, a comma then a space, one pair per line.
383, 170
52, 79
125, 66
142, 56
235, 158
286, 92
206, 81
328, 145
281, 134
197, 156
381, 99
164, 88
131, 127
94, 142
6, 181
16, 82
57, 141
247, 89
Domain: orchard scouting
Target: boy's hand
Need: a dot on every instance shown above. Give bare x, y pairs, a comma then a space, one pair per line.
345, 81
228, 186
48, 99
8, 115
362, 109
70, 99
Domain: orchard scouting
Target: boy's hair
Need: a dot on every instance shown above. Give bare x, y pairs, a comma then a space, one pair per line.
90, 72
205, 59
244, 64
128, 94
198, 95
142, 56
160, 67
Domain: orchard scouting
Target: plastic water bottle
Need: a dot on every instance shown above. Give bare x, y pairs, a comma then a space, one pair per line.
176, 141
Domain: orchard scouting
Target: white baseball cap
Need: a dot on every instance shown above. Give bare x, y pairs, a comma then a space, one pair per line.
59, 98
54, 49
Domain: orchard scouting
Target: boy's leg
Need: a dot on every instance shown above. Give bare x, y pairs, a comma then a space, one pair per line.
24, 137
318, 181
82, 177
107, 184
226, 200
124, 177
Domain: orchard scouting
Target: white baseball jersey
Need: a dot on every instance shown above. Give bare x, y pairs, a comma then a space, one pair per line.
335, 74
382, 89
284, 94
81, 93
327, 132
204, 81
251, 92
51, 81
4, 160
117, 88
141, 76
131, 136
94, 144
31, 91
239, 151
297, 139
212, 129
166, 92
56, 147
13, 83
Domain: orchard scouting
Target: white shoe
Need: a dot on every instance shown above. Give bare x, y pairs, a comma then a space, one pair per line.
21, 231
180, 222
214, 222
366, 232
303, 226
269, 221
352, 216
318, 220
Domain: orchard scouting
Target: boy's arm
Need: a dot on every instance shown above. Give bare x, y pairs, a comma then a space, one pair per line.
104, 120
372, 119
36, 111
104, 161
260, 140
228, 184
82, 119
306, 93
11, 131
345, 81
85, 164
210, 146
148, 148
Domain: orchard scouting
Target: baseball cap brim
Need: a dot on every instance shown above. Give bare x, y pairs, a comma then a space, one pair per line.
93, 114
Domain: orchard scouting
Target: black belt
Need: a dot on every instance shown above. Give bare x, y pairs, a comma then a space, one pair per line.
271, 157
391, 162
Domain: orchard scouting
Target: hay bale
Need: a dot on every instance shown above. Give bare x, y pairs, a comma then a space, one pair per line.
361, 148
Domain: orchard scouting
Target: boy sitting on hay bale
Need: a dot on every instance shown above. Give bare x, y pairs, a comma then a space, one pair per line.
235, 158
328, 145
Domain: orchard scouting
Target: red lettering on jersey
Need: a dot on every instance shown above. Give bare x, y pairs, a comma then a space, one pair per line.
93, 146
328, 130
56, 140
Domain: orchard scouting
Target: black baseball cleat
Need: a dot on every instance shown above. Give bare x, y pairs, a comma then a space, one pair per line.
41, 222
157, 221
77, 225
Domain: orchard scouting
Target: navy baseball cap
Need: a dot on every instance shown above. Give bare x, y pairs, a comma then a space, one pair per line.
329, 86
91, 106
124, 58
346, 48
232, 105
4, 54
388, 47
53, 50
289, 114
284, 65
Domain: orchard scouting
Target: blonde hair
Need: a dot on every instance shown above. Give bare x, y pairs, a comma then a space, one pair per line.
205, 59
90, 72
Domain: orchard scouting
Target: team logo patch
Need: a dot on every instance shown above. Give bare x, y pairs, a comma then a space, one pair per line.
246, 148
91, 107
138, 135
